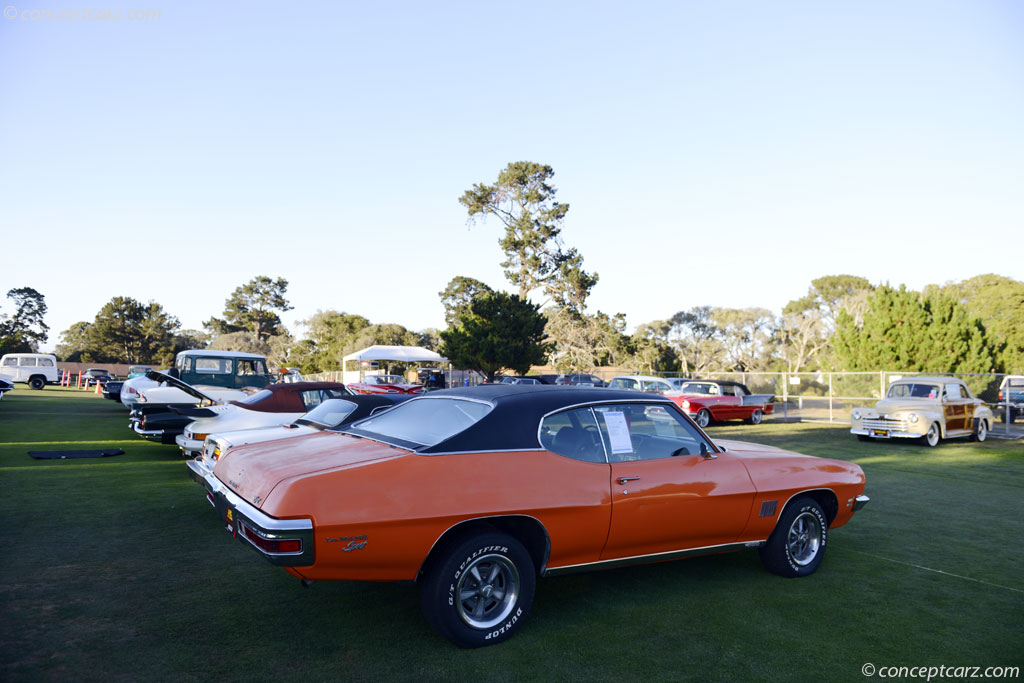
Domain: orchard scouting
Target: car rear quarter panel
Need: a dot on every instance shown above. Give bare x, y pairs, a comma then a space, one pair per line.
379, 522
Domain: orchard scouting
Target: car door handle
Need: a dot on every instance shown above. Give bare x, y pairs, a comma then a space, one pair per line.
623, 480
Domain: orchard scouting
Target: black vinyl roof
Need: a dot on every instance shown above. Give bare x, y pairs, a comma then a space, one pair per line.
517, 411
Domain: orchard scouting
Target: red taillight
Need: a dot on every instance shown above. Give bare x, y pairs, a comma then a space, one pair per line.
142, 422
267, 545
1000, 395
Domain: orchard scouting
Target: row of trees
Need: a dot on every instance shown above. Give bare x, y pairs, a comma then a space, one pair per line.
843, 322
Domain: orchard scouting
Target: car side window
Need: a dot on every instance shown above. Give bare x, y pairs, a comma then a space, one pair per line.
45, 363
211, 366
637, 431
728, 390
623, 383
10, 362
953, 391
311, 399
29, 362
654, 387
573, 434
246, 367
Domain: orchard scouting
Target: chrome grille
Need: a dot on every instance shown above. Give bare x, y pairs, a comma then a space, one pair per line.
884, 423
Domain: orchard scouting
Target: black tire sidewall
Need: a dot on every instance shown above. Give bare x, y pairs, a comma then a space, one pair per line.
776, 555
36, 383
438, 589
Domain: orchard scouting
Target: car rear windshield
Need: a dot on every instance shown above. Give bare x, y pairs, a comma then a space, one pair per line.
330, 413
259, 396
424, 421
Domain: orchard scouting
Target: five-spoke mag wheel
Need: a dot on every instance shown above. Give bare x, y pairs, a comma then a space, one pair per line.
487, 591
797, 544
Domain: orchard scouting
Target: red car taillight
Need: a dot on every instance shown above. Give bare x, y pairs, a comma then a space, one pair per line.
267, 545
1000, 395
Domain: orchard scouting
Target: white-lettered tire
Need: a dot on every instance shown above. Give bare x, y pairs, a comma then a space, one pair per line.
479, 591
797, 544
980, 432
932, 437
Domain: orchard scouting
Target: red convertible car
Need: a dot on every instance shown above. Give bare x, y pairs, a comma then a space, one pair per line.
385, 384
712, 400
476, 492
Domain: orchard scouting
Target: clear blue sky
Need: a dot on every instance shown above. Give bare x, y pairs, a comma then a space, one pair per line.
720, 153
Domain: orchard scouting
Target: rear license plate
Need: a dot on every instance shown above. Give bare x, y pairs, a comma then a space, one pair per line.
881, 433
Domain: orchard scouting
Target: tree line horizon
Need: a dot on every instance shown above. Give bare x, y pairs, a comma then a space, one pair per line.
842, 323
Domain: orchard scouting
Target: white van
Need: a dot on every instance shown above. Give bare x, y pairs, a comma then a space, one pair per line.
37, 369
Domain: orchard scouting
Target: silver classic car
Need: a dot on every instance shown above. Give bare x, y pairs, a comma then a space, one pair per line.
925, 408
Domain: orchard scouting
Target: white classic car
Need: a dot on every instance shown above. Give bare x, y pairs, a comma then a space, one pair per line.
273, 406
925, 408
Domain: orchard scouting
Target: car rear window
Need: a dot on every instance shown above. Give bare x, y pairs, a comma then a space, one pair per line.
330, 413
424, 421
259, 396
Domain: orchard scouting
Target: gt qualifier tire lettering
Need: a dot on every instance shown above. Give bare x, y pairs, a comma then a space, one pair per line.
478, 592
797, 545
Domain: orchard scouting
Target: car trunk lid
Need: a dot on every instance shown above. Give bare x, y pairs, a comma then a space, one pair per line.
254, 470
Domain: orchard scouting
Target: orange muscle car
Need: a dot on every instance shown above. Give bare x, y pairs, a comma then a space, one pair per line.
474, 493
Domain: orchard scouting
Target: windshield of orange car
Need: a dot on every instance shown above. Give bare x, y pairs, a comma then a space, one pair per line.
424, 421
913, 390
330, 413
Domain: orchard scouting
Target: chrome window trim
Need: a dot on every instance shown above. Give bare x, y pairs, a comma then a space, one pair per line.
496, 450
593, 415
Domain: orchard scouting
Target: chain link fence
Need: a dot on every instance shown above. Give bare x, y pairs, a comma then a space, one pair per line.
832, 396
809, 396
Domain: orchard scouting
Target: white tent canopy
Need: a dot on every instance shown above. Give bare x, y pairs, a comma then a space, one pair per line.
398, 354
394, 354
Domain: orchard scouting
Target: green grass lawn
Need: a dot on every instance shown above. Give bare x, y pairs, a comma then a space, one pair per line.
117, 569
